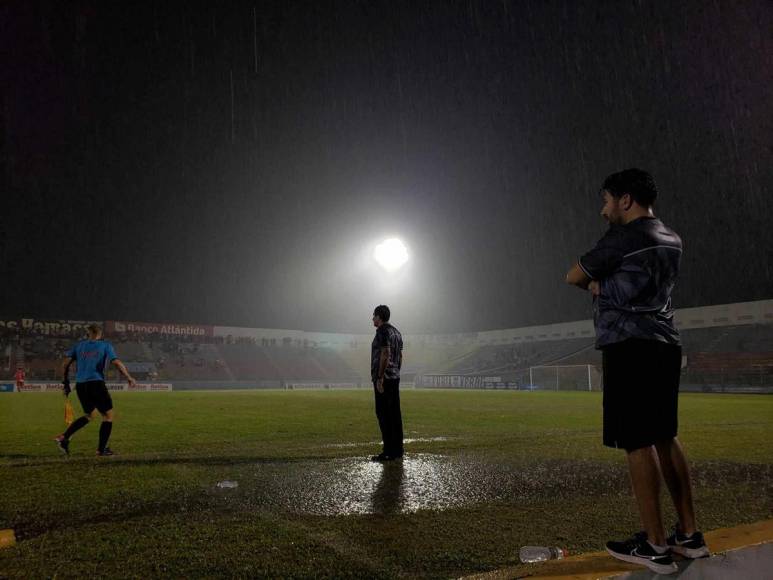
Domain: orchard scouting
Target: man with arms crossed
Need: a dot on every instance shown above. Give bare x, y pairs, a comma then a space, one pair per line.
386, 360
90, 357
631, 273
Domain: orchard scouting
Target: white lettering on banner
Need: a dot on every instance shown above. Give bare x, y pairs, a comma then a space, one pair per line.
32, 387
319, 385
64, 328
465, 382
139, 387
176, 329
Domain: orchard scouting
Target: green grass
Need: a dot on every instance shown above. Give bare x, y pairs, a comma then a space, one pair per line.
154, 510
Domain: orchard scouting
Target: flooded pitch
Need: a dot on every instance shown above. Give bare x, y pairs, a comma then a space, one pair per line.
417, 482
357, 486
425, 481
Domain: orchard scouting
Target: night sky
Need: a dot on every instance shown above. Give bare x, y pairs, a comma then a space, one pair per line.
229, 163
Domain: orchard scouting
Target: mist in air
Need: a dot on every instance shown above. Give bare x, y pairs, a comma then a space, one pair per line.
238, 164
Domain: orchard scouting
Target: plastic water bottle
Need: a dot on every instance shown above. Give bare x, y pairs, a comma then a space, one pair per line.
227, 484
531, 554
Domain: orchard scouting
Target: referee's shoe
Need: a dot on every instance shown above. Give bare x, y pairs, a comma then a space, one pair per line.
637, 550
63, 444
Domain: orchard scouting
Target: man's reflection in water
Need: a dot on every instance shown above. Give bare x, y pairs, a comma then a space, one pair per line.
388, 494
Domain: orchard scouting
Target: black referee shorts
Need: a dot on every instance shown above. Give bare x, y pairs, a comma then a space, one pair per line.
94, 395
641, 392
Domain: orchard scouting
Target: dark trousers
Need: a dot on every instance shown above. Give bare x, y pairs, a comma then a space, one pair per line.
390, 420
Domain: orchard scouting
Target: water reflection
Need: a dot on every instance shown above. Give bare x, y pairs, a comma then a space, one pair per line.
387, 497
406, 441
420, 481
358, 486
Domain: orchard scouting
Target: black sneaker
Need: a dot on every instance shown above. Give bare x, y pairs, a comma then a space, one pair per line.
637, 550
693, 546
107, 452
63, 444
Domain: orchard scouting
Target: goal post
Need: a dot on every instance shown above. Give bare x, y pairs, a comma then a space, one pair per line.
564, 378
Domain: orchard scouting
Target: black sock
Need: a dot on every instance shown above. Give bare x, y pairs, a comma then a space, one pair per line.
104, 434
75, 425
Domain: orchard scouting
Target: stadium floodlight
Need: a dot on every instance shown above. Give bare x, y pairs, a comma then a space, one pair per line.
391, 254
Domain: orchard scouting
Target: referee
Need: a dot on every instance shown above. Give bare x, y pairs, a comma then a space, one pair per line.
90, 357
630, 273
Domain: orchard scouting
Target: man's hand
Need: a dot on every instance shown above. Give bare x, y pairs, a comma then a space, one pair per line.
380, 385
66, 374
122, 369
594, 287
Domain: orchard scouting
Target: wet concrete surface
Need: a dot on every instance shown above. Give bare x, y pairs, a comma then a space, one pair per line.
751, 563
425, 481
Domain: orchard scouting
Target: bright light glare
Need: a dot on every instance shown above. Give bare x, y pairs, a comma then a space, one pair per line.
391, 254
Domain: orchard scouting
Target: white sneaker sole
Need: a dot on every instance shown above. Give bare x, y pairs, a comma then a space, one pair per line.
654, 566
692, 553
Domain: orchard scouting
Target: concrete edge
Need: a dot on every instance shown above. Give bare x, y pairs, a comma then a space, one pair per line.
597, 565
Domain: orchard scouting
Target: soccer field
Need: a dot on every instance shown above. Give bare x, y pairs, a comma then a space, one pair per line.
485, 472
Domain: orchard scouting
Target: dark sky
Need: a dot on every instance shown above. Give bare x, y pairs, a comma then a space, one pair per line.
229, 162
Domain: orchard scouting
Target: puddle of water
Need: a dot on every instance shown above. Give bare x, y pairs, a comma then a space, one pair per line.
378, 443
355, 486
420, 481
425, 481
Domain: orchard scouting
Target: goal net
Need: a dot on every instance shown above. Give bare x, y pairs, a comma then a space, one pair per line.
564, 378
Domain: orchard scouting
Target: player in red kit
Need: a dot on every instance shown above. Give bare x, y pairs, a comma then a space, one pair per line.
19, 377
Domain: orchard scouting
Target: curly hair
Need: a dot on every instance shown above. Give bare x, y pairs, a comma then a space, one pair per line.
638, 183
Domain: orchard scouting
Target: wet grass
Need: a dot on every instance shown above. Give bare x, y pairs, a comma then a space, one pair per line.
514, 468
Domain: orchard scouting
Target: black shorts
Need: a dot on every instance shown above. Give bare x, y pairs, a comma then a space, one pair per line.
641, 392
94, 395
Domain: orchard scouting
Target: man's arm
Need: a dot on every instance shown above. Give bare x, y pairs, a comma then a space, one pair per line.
122, 369
382, 365
577, 277
599, 263
66, 364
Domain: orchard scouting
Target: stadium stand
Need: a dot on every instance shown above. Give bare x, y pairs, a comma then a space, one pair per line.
731, 358
719, 356
509, 359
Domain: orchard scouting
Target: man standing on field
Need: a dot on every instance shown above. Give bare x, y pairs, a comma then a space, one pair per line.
386, 360
630, 273
91, 356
